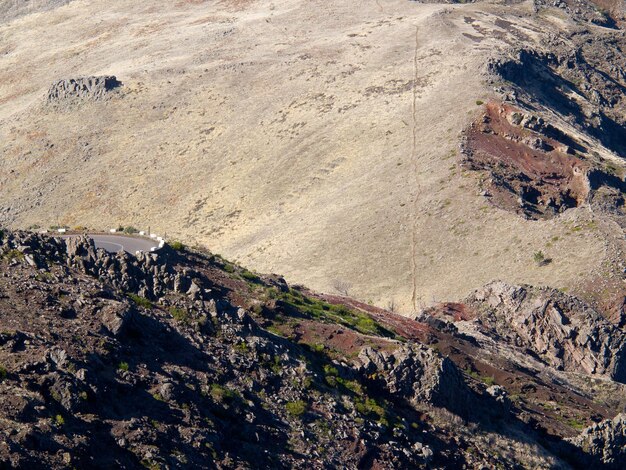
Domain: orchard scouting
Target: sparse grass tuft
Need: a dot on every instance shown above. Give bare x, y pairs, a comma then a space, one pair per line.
141, 301
180, 314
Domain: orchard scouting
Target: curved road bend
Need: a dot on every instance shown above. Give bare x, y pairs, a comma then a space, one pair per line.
115, 243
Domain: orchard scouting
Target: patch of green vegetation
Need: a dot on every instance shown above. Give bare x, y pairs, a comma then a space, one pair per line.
130, 230
370, 408
276, 367
123, 366
330, 371
176, 245
576, 424
488, 380
181, 315
241, 347
274, 330
3, 373
250, 276
140, 301
14, 254
539, 257
151, 465
296, 408
59, 420
324, 311
221, 394
479, 102
44, 276
317, 347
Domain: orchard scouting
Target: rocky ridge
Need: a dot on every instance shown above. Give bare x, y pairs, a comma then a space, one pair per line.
179, 375
179, 358
558, 328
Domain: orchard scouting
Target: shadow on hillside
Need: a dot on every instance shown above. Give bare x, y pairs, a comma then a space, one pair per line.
534, 75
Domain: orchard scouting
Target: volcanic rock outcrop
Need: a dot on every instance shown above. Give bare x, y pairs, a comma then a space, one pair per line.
562, 330
606, 440
83, 88
419, 374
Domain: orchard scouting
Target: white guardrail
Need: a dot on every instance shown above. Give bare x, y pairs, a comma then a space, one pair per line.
142, 233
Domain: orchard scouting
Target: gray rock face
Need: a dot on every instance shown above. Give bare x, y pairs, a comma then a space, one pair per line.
565, 332
84, 88
419, 374
606, 441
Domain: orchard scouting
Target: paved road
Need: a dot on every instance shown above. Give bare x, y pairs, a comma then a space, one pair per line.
115, 243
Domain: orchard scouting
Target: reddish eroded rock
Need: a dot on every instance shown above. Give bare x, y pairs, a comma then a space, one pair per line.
458, 311
530, 168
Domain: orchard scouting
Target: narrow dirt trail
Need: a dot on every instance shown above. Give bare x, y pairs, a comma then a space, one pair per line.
417, 180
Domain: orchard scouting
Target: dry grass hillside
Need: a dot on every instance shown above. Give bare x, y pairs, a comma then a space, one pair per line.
312, 138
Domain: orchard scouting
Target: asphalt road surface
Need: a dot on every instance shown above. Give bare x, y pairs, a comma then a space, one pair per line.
115, 243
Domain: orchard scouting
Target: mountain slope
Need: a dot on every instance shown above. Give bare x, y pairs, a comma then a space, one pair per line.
317, 140
182, 359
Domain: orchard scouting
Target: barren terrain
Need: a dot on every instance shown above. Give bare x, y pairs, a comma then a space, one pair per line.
315, 139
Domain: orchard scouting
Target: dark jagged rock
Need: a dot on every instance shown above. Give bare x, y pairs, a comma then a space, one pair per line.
83, 88
419, 374
605, 440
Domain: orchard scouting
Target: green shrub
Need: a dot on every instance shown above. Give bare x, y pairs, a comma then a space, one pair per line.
250, 276
541, 259
130, 230
321, 310
479, 102
123, 366
221, 394
176, 245
14, 254
59, 420
180, 314
370, 408
3, 373
296, 408
141, 301
330, 370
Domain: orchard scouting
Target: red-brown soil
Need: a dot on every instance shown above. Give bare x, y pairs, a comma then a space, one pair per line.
526, 171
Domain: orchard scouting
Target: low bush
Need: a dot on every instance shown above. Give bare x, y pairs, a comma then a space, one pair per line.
141, 301
296, 408
176, 245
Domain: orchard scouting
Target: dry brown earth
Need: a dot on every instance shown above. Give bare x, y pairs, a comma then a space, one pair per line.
312, 138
